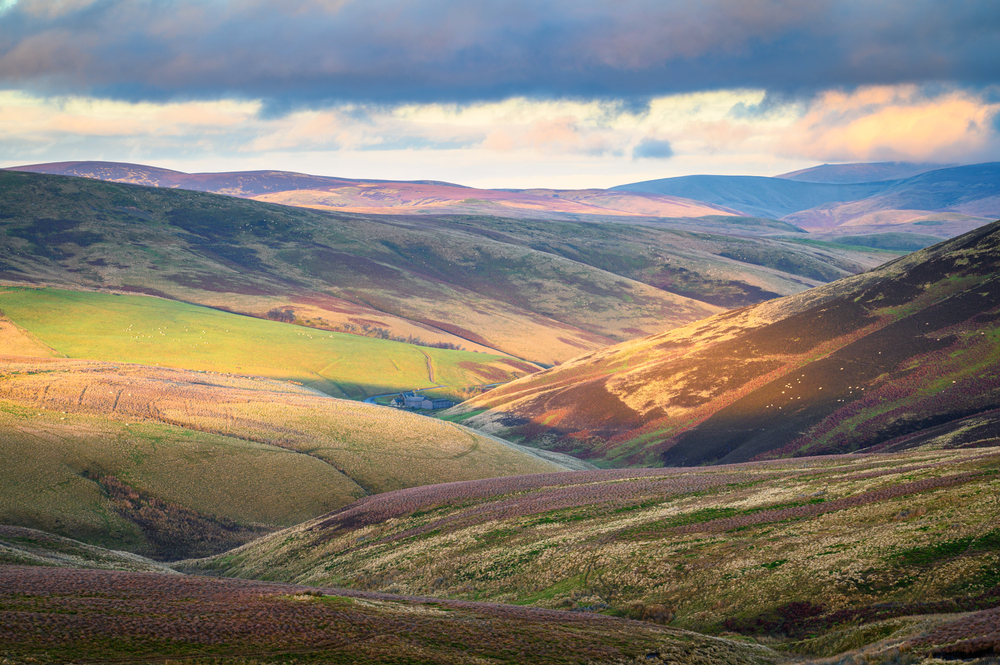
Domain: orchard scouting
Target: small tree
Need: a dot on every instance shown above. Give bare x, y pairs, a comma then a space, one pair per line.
285, 315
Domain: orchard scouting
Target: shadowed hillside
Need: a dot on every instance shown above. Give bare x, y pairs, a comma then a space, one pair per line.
853, 365
861, 172
961, 191
537, 290
756, 195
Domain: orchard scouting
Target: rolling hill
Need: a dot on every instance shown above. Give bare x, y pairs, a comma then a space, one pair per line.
538, 290
817, 556
167, 463
166, 429
157, 331
756, 195
859, 364
381, 196
30, 547
942, 201
969, 191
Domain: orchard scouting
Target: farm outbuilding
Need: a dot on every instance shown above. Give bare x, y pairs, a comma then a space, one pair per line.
412, 400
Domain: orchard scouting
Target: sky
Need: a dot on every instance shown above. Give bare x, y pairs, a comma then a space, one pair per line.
500, 93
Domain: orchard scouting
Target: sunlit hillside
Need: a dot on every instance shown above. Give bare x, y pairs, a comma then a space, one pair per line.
863, 363
156, 331
173, 462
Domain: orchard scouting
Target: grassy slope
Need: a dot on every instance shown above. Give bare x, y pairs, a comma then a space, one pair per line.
30, 547
171, 462
16, 341
822, 554
536, 289
152, 331
847, 366
99, 616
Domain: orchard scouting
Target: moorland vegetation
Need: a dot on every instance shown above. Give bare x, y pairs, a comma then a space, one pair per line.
65, 616
117, 454
816, 556
157, 428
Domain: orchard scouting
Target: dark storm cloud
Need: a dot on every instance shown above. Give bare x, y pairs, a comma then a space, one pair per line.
312, 52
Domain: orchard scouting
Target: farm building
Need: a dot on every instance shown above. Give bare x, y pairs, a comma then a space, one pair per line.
412, 400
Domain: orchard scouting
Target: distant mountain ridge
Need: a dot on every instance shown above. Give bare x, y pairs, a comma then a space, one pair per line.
247, 183
756, 195
380, 196
972, 190
829, 200
862, 172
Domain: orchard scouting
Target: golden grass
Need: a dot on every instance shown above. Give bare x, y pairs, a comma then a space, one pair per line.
250, 450
16, 342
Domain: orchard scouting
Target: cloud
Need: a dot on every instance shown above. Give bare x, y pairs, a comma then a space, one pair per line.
313, 53
651, 148
884, 123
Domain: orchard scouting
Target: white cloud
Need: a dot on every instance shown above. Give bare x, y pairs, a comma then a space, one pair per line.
513, 143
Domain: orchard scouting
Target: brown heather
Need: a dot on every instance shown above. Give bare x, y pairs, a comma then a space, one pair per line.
866, 363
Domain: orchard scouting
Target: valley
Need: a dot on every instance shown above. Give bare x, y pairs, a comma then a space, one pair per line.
796, 430
480, 283
499, 333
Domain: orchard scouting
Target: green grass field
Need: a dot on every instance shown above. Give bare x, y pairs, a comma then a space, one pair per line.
154, 331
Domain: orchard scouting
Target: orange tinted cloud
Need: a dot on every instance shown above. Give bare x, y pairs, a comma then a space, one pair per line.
891, 123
